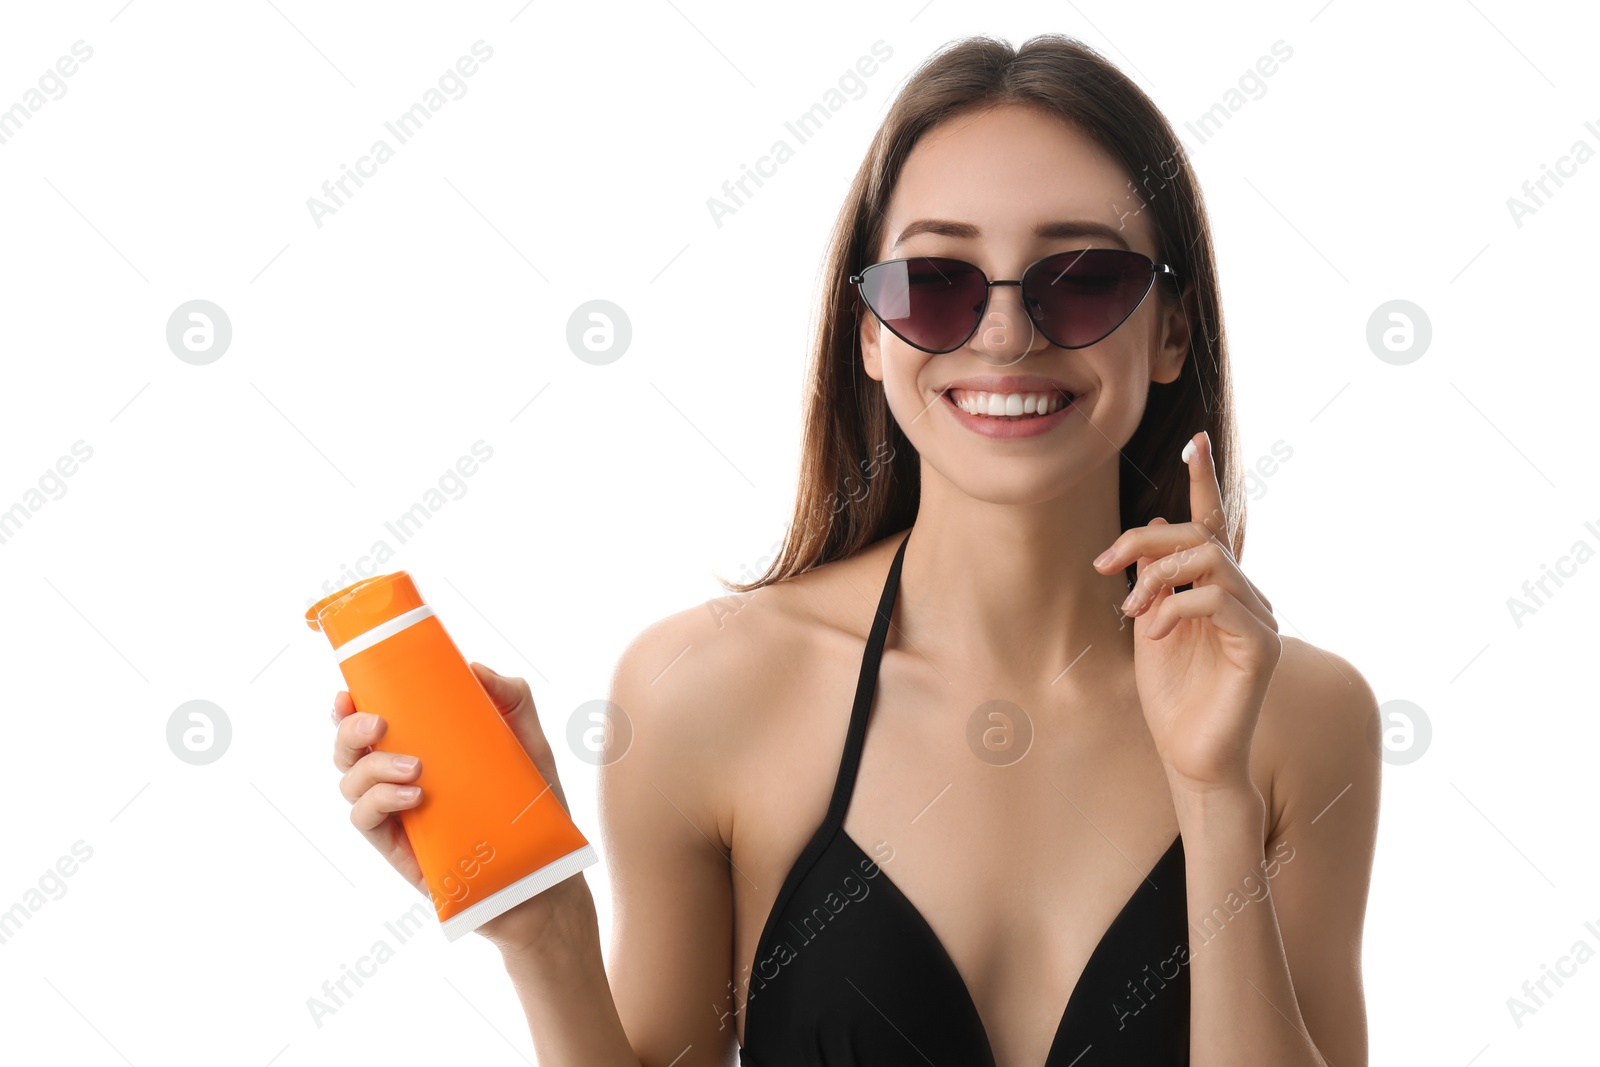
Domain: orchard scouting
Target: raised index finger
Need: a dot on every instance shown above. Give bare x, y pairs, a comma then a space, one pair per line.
1205, 495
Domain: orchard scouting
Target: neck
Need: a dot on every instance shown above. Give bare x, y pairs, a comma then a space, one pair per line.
1013, 585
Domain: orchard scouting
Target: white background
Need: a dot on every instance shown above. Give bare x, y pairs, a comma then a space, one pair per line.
371, 352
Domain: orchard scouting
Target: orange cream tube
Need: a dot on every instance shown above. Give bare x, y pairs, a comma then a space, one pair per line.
489, 833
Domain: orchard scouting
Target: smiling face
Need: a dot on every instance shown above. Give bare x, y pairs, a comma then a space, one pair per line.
1001, 189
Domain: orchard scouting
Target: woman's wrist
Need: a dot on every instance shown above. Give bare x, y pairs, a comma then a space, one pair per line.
1230, 809
554, 960
546, 933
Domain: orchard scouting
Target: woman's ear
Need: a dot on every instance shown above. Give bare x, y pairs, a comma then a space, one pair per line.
871, 345
1177, 318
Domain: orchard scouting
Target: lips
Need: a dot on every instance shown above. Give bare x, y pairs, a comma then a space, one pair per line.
1008, 405
1012, 427
1008, 396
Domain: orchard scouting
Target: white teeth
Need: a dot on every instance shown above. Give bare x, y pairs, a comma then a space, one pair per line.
1013, 404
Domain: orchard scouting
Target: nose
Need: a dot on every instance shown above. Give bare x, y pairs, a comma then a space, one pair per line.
1007, 333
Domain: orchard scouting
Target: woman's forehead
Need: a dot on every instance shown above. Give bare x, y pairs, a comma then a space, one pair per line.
1006, 173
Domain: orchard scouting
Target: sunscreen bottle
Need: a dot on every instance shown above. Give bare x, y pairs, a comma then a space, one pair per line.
489, 832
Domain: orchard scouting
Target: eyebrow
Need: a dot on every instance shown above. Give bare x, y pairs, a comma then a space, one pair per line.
966, 230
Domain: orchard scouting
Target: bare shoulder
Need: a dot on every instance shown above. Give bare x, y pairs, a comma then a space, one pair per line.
714, 769
721, 687
1318, 736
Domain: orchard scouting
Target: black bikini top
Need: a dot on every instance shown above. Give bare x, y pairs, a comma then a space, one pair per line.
849, 974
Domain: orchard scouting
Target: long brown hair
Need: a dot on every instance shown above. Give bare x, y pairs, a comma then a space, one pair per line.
859, 475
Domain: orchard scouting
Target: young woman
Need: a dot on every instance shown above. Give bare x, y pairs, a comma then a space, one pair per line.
1004, 760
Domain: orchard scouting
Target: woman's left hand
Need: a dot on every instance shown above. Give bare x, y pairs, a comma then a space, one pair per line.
1203, 657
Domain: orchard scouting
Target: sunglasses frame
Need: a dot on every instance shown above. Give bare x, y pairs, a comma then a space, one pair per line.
1156, 269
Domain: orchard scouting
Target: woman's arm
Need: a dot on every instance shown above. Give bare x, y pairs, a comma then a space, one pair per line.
1225, 696
1277, 899
560, 979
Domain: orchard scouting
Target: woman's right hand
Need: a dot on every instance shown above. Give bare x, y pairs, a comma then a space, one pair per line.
379, 785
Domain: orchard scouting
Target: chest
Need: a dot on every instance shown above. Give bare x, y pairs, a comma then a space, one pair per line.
849, 972
1007, 846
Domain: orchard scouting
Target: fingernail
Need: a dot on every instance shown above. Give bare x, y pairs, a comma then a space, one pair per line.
1133, 598
369, 724
408, 792
405, 764
1105, 557
1188, 450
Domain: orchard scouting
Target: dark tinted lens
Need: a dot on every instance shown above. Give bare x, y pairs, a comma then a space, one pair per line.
931, 302
1080, 297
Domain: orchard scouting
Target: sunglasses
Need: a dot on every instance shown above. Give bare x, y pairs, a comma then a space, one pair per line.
935, 303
